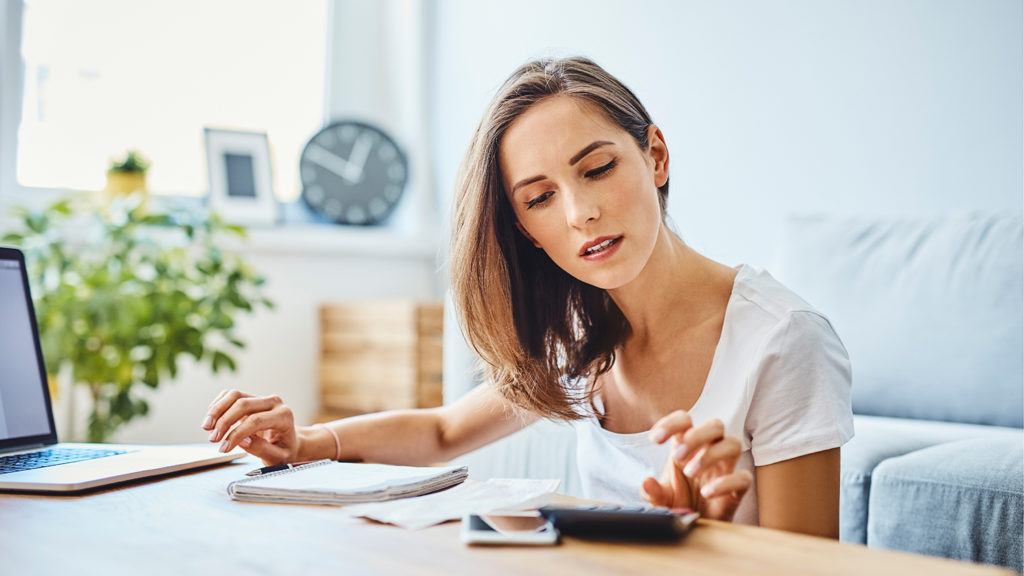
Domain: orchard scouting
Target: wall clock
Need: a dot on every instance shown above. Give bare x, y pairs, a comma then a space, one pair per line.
352, 173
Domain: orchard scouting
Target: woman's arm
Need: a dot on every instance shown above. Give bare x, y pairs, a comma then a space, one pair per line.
264, 427
423, 437
801, 494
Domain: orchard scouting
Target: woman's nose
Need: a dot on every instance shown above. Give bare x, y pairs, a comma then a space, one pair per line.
580, 209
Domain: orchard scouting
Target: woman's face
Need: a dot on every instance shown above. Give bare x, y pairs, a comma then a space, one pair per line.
583, 191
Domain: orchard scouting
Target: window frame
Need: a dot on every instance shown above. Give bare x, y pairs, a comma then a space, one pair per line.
12, 79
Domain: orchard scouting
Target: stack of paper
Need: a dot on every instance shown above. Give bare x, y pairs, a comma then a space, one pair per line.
495, 496
340, 483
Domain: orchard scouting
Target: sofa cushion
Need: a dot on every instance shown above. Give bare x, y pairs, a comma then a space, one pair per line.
931, 310
961, 500
877, 439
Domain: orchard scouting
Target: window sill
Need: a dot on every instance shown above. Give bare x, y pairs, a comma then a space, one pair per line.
299, 232
331, 239
302, 232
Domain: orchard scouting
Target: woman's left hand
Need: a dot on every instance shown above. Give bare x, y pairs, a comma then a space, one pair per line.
701, 470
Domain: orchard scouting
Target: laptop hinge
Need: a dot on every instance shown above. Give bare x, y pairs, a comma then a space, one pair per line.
23, 448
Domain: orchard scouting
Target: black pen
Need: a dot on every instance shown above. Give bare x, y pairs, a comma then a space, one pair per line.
275, 468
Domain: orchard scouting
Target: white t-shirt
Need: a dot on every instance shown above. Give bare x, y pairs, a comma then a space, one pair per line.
779, 381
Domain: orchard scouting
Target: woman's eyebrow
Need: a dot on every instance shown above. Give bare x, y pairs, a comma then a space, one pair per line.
527, 182
587, 150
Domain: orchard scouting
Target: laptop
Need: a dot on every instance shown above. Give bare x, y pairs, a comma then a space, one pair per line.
31, 459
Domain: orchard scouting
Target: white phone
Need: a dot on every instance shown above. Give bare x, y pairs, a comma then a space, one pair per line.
526, 529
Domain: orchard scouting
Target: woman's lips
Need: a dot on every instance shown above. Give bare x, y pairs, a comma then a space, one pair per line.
600, 248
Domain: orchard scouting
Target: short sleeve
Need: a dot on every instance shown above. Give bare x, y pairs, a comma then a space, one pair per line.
800, 391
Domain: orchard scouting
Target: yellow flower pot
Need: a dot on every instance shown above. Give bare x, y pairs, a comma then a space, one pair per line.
123, 183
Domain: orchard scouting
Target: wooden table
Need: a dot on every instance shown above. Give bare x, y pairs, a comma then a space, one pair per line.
186, 524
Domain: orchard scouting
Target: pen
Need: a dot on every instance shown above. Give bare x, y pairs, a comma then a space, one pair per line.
275, 468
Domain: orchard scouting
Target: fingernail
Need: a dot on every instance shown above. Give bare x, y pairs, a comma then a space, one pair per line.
681, 452
245, 442
208, 423
224, 446
213, 436
707, 491
658, 436
691, 468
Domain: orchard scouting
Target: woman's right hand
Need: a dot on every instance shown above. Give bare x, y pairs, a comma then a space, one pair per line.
261, 425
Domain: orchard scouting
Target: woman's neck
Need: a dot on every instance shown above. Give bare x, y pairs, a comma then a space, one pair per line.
676, 291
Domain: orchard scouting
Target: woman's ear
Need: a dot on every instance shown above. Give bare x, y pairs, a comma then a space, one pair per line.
658, 151
522, 229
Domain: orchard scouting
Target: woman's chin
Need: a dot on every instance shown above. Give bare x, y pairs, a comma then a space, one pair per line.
608, 280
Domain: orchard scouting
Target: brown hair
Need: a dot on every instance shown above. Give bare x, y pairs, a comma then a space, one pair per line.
538, 330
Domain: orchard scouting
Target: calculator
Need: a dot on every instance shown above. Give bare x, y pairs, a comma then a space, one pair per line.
620, 522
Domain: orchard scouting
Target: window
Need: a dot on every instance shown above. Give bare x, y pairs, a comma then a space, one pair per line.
106, 76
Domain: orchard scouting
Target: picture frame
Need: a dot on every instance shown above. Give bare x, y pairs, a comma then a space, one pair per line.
240, 176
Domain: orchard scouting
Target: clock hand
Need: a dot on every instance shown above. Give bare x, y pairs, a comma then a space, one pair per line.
360, 150
332, 162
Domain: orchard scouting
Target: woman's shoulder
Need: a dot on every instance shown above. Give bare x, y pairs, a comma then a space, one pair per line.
758, 290
761, 305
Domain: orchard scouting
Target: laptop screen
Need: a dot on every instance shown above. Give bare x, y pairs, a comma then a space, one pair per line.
24, 399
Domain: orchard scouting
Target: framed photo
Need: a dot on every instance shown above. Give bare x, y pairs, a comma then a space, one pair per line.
241, 188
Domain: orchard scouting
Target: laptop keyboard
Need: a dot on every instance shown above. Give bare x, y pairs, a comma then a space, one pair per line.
52, 457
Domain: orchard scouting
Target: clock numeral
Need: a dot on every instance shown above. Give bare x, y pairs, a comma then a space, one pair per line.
386, 152
348, 133
308, 175
332, 208
315, 195
355, 214
392, 193
378, 208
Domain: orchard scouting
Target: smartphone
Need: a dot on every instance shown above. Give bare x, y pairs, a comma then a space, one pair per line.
526, 529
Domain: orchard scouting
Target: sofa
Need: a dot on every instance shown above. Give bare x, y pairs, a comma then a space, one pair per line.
931, 311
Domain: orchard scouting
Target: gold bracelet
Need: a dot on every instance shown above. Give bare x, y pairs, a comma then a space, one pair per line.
337, 441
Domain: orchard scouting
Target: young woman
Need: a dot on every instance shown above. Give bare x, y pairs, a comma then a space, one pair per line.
691, 383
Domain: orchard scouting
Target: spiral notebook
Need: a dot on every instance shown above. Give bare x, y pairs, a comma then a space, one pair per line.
341, 483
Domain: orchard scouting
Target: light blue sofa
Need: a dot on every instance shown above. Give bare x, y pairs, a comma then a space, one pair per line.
932, 315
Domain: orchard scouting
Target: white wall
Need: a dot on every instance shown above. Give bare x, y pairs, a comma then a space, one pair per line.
769, 108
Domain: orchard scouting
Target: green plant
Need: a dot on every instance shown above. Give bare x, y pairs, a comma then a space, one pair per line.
122, 295
133, 161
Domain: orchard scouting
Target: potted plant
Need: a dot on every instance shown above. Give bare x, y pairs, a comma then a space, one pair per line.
123, 295
127, 175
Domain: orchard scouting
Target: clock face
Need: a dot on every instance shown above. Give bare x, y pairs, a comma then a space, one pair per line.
352, 173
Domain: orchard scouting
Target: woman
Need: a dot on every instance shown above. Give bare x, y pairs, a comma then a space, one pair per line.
583, 305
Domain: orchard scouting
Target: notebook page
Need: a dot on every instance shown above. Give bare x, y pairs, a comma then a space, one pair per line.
347, 477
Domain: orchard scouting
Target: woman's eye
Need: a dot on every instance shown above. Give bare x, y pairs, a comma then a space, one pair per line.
600, 171
538, 200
